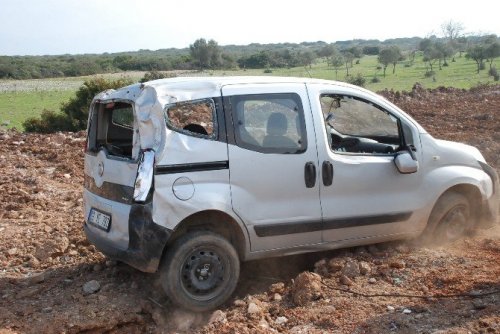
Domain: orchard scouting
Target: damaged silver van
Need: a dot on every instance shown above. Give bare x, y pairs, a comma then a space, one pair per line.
191, 176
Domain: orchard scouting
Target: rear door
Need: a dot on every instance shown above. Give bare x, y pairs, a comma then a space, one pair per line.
273, 164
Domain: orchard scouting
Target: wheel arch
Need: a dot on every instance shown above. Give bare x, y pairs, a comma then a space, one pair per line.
473, 196
215, 221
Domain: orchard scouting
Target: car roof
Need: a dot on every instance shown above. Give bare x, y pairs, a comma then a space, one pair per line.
183, 87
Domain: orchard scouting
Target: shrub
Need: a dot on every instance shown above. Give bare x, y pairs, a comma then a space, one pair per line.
155, 75
493, 72
74, 113
268, 70
49, 121
429, 74
375, 79
357, 80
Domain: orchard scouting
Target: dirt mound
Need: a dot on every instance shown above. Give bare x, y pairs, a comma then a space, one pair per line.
52, 280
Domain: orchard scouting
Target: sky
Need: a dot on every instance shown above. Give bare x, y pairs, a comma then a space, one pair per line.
51, 27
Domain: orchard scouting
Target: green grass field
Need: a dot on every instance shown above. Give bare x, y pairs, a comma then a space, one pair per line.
20, 99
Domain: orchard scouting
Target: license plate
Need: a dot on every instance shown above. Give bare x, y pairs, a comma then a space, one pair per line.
100, 219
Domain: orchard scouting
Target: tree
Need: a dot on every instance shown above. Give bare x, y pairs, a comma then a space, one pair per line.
478, 54
390, 55
337, 62
492, 51
206, 54
445, 51
431, 55
452, 31
348, 58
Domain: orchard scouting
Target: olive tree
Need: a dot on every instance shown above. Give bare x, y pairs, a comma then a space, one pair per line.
388, 56
206, 54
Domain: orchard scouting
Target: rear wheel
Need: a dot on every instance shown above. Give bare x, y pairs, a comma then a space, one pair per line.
200, 271
449, 219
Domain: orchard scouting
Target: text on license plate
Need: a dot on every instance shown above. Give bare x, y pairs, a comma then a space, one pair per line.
100, 219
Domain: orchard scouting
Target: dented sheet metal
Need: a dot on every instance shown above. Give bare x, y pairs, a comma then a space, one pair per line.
144, 179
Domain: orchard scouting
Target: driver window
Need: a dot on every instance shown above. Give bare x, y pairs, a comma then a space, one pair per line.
358, 126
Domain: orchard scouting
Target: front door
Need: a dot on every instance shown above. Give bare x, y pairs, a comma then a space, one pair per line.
362, 193
273, 164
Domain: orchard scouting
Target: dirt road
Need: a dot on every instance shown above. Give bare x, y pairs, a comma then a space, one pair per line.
53, 281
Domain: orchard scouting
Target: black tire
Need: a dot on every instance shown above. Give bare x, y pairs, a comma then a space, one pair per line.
449, 219
200, 271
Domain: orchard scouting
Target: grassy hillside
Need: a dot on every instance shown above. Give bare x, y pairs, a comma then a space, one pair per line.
20, 99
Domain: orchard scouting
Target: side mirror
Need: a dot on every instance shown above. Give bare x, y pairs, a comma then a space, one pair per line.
406, 163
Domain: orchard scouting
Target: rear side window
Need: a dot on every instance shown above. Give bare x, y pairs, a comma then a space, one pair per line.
194, 118
269, 123
124, 116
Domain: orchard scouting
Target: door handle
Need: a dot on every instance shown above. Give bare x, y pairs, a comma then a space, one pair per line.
327, 173
310, 174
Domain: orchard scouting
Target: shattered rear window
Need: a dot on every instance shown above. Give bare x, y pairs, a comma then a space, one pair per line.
196, 118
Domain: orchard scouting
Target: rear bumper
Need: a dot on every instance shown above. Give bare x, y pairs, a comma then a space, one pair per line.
146, 240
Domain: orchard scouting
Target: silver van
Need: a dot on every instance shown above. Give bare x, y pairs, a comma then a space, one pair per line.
191, 176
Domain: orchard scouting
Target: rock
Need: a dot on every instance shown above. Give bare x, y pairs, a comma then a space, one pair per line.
277, 287
218, 317
110, 263
306, 287
47, 309
397, 264
406, 311
67, 176
372, 280
263, 323
28, 292
479, 304
52, 248
277, 297
345, 280
281, 320
36, 278
239, 303
134, 285
320, 267
253, 308
351, 269
364, 268
390, 308
97, 268
335, 265
12, 251
91, 287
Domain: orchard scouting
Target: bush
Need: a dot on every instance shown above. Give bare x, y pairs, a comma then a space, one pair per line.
357, 80
49, 121
375, 79
268, 70
493, 72
155, 75
74, 113
429, 74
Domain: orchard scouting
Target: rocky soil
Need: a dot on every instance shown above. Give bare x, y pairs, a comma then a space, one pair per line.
53, 281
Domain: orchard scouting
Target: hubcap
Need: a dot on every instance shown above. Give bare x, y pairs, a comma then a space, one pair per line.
455, 222
202, 273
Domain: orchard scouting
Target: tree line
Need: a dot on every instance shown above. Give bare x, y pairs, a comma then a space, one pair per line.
208, 55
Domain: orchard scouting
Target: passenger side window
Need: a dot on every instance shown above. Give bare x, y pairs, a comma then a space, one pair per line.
355, 125
269, 123
194, 118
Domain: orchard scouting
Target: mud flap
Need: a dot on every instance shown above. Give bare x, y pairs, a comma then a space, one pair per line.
144, 179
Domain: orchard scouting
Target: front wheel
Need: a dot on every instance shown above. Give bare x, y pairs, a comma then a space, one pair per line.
449, 219
200, 271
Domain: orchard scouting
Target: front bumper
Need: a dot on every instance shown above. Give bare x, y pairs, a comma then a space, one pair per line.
490, 208
146, 240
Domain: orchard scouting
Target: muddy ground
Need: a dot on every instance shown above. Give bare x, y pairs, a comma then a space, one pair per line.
53, 281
